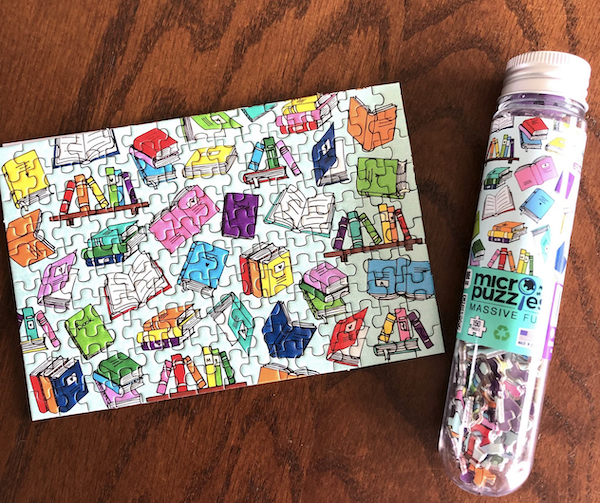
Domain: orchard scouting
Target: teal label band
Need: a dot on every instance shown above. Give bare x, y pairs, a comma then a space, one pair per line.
502, 310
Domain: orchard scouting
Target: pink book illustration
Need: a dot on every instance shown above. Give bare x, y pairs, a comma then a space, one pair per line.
190, 210
326, 278
114, 400
540, 171
57, 282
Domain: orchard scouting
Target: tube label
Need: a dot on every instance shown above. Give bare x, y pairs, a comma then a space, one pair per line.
521, 239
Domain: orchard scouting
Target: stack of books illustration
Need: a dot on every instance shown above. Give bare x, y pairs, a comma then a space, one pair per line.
154, 153
323, 287
114, 244
507, 232
305, 114
496, 177
266, 270
169, 328
117, 379
532, 132
58, 384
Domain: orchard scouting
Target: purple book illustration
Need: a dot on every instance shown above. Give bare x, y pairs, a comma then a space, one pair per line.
239, 215
326, 278
57, 283
114, 400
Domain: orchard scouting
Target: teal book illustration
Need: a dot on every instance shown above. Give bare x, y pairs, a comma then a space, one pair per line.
233, 248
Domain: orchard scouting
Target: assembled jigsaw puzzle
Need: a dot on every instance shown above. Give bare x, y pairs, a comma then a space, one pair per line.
217, 251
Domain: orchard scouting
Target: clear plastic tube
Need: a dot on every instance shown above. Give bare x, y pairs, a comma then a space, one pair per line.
516, 272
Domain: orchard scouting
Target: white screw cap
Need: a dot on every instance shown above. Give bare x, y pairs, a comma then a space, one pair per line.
548, 72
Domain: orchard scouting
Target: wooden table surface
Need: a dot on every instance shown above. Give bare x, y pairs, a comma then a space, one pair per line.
364, 436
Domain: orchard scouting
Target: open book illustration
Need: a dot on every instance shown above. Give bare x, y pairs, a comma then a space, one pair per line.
294, 211
498, 203
84, 147
127, 291
223, 250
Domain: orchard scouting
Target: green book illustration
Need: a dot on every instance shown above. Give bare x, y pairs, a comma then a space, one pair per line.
322, 309
382, 177
271, 152
476, 227
354, 227
370, 229
88, 332
118, 368
227, 368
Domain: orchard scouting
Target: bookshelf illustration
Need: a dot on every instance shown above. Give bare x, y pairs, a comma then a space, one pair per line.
354, 223
217, 367
503, 152
119, 183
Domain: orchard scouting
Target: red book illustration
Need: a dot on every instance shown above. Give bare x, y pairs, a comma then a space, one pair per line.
348, 339
156, 144
66, 202
502, 261
534, 129
179, 371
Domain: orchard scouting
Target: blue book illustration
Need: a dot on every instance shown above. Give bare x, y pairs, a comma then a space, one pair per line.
527, 143
203, 268
560, 263
68, 385
389, 279
257, 111
257, 155
329, 165
284, 338
152, 175
537, 205
232, 317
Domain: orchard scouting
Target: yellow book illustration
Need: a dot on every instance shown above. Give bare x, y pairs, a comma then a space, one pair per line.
211, 378
210, 161
97, 191
26, 179
386, 228
388, 327
275, 273
301, 105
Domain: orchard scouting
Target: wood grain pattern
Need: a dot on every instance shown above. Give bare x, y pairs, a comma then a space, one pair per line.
366, 436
